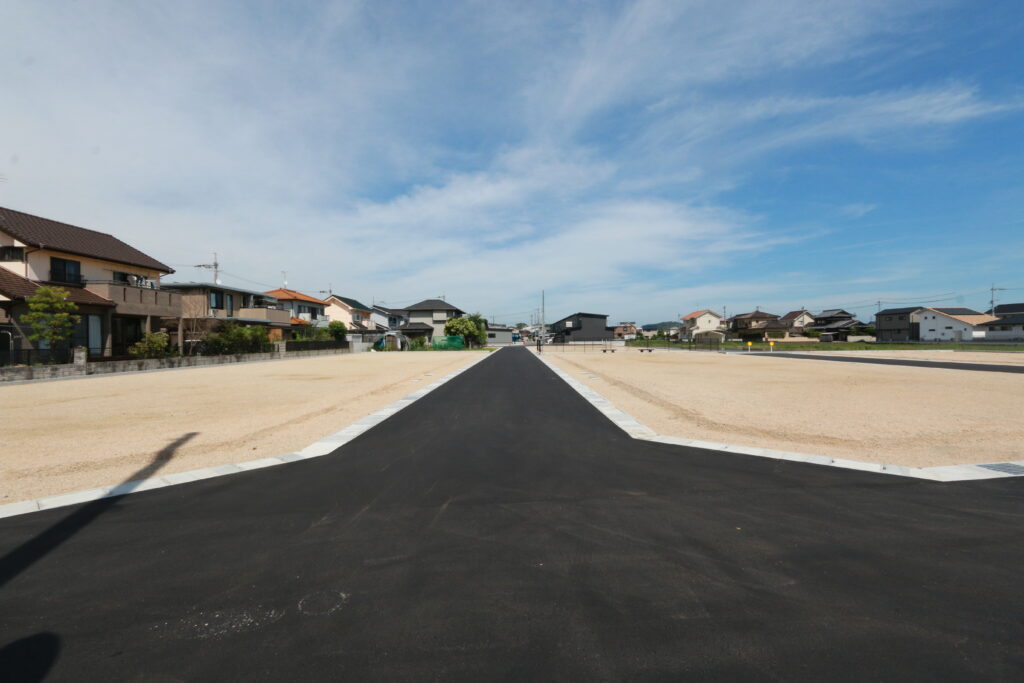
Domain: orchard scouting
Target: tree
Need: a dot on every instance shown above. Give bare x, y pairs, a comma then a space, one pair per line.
337, 329
481, 329
520, 326
51, 316
462, 327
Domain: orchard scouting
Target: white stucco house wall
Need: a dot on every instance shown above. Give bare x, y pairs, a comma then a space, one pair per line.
948, 327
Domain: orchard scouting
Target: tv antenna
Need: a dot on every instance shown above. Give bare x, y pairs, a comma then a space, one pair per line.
215, 267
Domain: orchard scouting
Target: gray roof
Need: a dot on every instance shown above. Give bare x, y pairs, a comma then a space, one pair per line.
351, 302
899, 311
49, 234
433, 305
1007, 309
959, 311
1008, 320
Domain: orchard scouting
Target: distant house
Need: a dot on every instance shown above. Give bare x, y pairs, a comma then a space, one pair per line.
356, 316
581, 327
117, 287
624, 331
963, 325
898, 324
1006, 310
798, 320
1006, 328
306, 311
904, 324
206, 306
701, 325
758, 326
388, 318
428, 317
834, 324
499, 335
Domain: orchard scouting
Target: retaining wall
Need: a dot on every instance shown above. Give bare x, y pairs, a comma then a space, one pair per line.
84, 369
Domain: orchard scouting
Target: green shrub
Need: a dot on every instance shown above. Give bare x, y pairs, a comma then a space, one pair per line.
233, 339
153, 345
337, 330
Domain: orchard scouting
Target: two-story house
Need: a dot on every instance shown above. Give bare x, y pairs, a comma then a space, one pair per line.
798, 320
115, 286
1008, 327
625, 331
428, 317
581, 327
205, 306
701, 325
357, 316
306, 311
388, 318
758, 325
834, 324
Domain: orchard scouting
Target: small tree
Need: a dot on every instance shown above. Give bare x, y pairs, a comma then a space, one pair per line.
337, 330
462, 327
51, 316
520, 326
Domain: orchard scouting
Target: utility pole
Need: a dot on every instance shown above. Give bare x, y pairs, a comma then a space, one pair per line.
284, 277
992, 310
215, 267
543, 325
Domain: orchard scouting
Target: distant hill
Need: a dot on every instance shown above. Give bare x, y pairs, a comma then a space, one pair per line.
660, 326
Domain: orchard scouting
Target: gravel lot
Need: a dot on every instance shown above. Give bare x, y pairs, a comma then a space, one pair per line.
918, 417
76, 434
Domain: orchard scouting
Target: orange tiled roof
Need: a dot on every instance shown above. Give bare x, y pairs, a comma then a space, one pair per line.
300, 321
292, 295
697, 314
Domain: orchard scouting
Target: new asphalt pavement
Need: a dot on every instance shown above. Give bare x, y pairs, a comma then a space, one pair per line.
503, 529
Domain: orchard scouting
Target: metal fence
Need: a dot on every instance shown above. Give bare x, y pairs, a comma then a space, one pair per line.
648, 345
448, 343
35, 357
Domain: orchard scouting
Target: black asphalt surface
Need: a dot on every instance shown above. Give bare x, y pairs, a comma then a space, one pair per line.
980, 367
502, 529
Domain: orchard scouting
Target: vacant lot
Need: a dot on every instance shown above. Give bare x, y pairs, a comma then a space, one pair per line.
77, 434
918, 417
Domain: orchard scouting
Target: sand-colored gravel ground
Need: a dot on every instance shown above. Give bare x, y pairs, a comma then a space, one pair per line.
918, 417
986, 357
70, 435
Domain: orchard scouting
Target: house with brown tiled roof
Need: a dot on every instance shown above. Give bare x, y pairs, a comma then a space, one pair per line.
116, 287
798, 320
702, 324
306, 311
758, 326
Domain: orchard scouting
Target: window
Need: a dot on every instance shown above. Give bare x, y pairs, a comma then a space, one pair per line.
949, 327
120, 277
231, 304
12, 253
490, 335
63, 270
217, 300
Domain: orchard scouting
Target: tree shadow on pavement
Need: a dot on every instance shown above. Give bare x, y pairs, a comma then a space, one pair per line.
29, 660
31, 551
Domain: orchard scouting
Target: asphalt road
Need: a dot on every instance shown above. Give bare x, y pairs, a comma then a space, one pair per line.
982, 367
503, 529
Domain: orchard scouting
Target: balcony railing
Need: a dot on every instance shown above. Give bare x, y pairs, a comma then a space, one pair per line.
134, 300
272, 315
67, 278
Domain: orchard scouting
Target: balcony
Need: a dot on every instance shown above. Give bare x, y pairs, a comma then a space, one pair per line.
274, 316
132, 300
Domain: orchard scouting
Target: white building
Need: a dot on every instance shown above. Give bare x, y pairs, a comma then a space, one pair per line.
1007, 328
701, 323
955, 325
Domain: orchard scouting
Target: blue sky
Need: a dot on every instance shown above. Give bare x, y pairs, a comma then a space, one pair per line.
638, 159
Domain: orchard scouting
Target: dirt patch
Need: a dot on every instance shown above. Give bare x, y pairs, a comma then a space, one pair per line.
77, 434
919, 417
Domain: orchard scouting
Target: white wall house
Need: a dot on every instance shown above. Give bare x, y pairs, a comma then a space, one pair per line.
939, 326
700, 322
1008, 328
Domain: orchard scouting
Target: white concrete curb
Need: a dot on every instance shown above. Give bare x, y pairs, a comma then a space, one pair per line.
637, 430
324, 446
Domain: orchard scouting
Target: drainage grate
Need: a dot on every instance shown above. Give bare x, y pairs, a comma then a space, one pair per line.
1005, 467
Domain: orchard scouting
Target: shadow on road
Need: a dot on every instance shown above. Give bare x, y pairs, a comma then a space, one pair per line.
28, 553
29, 660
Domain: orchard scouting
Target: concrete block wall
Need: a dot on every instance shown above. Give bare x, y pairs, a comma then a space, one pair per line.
38, 372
